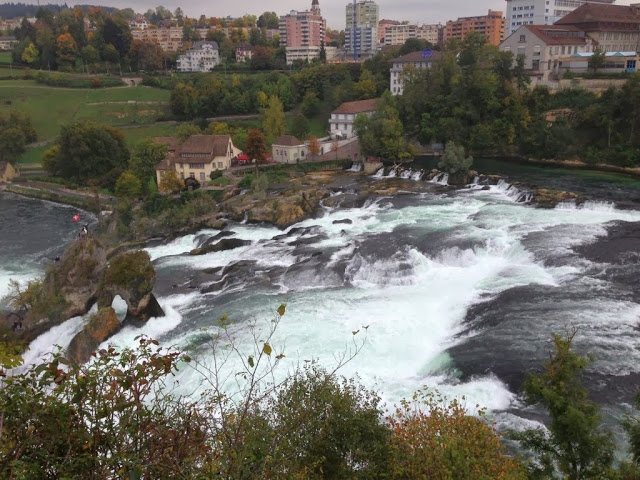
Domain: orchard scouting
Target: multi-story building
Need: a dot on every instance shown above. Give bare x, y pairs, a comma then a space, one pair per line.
402, 67
605, 27
8, 42
303, 31
342, 118
615, 28
244, 52
492, 26
169, 39
398, 34
541, 12
382, 28
361, 30
201, 58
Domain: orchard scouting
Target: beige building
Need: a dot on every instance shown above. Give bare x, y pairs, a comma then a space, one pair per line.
401, 66
198, 156
7, 172
288, 149
169, 39
399, 34
342, 118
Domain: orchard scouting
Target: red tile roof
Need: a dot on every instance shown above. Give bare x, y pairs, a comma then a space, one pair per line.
360, 106
418, 57
170, 142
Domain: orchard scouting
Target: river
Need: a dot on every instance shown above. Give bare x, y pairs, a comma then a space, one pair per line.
460, 290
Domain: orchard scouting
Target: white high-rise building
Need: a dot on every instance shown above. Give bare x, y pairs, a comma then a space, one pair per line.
541, 12
364, 37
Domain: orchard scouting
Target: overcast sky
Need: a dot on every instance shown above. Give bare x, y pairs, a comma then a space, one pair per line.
415, 11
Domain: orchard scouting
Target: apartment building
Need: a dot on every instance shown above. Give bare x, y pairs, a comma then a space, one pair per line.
541, 12
361, 29
492, 26
398, 34
203, 57
303, 33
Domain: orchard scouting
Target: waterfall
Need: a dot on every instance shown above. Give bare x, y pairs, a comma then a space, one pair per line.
392, 173
514, 193
355, 167
417, 175
441, 179
379, 173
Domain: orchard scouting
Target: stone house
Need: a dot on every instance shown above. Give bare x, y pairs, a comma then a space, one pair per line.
198, 156
342, 118
288, 149
244, 52
7, 172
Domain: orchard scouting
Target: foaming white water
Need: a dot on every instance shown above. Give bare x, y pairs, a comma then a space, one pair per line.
355, 167
379, 173
58, 336
22, 276
590, 205
440, 179
514, 193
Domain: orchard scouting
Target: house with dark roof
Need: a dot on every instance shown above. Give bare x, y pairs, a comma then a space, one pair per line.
615, 28
7, 172
403, 66
288, 149
244, 52
590, 27
342, 118
198, 156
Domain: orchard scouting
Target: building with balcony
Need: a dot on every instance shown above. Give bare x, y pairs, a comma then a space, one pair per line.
399, 34
492, 26
302, 29
361, 29
169, 39
541, 12
382, 28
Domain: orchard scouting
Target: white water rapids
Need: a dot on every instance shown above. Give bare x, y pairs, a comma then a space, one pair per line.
409, 269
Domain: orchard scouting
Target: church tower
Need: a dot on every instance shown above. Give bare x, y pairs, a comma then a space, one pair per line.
315, 7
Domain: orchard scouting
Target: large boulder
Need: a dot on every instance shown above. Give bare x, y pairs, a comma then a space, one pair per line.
74, 280
132, 276
283, 210
544, 198
102, 326
223, 244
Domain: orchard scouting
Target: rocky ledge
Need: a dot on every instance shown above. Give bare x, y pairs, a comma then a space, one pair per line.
87, 275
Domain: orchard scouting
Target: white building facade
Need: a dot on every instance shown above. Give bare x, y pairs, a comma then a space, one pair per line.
203, 57
400, 68
541, 12
343, 117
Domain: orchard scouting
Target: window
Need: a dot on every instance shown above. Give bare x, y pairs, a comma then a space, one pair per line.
220, 166
192, 175
523, 38
202, 177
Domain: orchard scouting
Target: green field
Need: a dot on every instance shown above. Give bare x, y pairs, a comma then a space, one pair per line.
5, 57
51, 107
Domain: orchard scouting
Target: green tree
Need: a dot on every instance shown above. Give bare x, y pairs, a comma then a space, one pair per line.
576, 445
12, 144
88, 151
366, 87
273, 118
300, 127
128, 187
170, 182
268, 20
310, 104
455, 163
597, 60
381, 135
30, 54
184, 131
413, 45
146, 155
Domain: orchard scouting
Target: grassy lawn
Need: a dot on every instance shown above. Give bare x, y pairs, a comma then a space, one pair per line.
5, 57
33, 155
51, 107
133, 136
